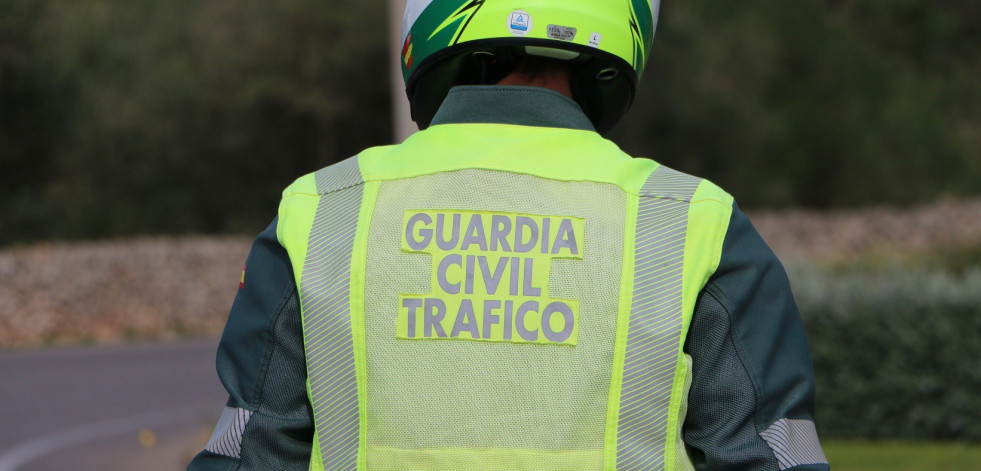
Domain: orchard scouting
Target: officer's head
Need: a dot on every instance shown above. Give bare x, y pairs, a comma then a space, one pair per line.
603, 43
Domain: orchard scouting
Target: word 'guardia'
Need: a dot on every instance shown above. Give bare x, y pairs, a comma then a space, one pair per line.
491, 232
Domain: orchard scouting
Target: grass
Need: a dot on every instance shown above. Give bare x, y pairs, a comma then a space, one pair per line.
902, 456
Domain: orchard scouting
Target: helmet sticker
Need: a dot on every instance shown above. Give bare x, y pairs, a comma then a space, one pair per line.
562, 33
595, 39
520, 23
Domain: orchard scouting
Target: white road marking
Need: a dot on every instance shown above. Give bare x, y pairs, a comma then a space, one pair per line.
29, 451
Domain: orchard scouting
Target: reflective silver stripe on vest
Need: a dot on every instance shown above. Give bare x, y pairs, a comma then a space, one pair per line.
794, 442
227, 438
325, 297
654, 335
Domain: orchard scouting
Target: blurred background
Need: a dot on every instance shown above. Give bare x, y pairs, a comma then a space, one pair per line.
143, 145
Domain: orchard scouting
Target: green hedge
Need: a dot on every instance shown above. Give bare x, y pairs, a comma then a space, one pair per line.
897, 349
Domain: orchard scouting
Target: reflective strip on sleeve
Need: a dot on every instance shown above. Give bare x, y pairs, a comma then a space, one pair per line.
794, 442
227, 437
656, 318
325, 297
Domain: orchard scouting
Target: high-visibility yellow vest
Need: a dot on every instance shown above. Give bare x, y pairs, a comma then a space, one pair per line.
489, 296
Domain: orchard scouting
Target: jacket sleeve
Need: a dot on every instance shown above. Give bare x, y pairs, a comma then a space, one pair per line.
267, 422
751, 402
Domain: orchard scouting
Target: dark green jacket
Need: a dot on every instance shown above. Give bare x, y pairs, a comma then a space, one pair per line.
751, 404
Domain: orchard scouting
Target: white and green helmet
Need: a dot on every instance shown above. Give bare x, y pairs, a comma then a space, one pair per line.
457, 42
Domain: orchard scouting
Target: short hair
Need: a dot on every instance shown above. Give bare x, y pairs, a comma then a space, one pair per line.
533, 67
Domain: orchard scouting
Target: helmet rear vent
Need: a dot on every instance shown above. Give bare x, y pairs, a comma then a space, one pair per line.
608, 74
486, 55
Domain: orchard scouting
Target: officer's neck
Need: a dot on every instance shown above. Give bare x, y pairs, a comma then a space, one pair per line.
554, 78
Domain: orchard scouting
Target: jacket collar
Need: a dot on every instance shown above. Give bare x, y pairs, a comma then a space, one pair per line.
523, 106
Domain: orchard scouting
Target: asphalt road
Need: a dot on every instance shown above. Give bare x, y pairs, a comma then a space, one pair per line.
146, 407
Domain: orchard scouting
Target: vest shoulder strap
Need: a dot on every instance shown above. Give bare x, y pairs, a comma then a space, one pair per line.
668, 183
337, 177
649, 383
325, 291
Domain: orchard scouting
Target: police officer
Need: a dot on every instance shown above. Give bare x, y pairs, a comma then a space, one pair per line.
507, 289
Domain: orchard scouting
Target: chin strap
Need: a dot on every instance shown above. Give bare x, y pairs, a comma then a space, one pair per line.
485, 64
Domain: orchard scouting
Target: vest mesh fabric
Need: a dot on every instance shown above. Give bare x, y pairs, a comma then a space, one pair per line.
458, 404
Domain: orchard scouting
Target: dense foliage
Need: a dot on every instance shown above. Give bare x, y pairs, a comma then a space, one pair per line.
895, 349
121, 117
821, 103
127, 117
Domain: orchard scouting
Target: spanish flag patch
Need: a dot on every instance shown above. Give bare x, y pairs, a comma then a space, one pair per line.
241, 283
407, 52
